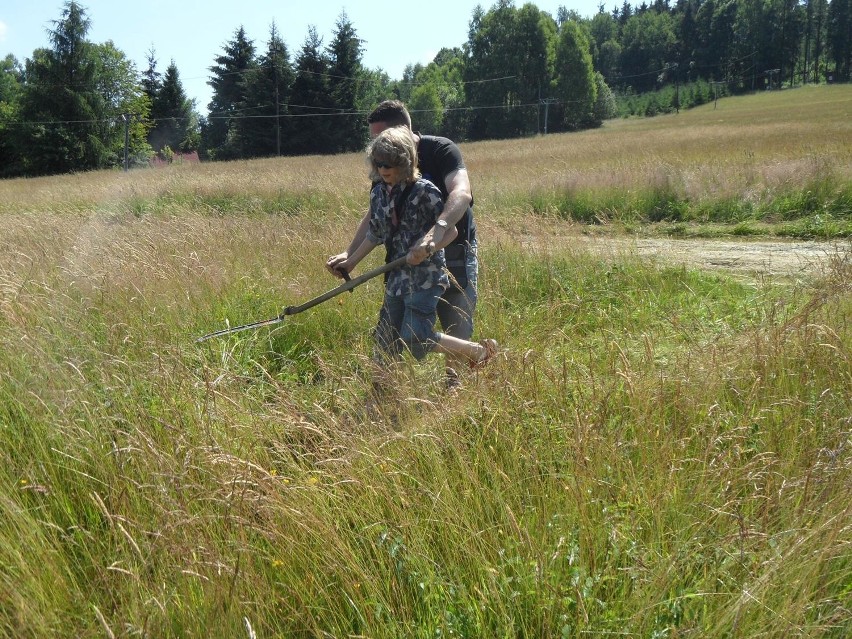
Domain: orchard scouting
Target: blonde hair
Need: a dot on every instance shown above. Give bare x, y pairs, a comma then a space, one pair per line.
394, 146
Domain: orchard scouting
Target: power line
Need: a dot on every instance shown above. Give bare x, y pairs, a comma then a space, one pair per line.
337, 114
93, 86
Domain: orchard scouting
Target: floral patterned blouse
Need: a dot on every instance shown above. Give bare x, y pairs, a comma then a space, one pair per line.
423, 206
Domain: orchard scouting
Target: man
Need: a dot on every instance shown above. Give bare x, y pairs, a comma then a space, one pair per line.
441, 163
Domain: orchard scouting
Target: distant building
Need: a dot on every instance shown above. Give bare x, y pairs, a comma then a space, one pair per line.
175, 158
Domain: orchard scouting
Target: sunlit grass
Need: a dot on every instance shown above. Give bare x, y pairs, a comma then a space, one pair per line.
658, 452
755, 157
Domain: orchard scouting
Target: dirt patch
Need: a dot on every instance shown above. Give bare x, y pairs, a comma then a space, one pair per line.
740, 257
744, 257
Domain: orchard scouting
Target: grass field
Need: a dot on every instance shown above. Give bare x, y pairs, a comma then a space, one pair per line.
658, 452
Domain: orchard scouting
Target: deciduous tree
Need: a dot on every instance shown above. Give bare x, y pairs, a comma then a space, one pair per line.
648, 43
11, 76
840, 37
509, 64
574, 80
438, 90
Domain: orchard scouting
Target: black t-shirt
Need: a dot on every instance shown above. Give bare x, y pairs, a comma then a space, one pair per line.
437, 158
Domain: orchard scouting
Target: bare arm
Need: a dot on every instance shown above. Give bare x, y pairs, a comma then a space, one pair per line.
459, 198
360, 252
428, 245
333, 263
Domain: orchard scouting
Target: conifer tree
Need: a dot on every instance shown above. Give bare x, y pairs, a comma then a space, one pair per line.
73, 97
151, 78
59, 98
265, 128
345, 72
312, 102
173, 117
228, 83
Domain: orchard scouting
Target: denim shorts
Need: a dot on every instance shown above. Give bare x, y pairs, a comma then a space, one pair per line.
456, 307
407, 323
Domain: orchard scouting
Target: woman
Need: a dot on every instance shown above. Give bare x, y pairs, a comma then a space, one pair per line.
403, 213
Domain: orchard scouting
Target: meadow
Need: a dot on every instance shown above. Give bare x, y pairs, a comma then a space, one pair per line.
658, 451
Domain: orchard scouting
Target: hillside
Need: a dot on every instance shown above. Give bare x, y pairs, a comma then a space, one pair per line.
658, 451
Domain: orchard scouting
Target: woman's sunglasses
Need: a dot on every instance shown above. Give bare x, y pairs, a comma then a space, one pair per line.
383, 165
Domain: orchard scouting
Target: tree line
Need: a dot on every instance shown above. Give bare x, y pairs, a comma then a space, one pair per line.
78, 105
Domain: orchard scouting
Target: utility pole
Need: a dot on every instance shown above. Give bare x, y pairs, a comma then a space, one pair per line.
126, 117
538, 112
669, 70
277, 105
677, 87
715, 84
277, 122
753, 69
771, 74
546, 102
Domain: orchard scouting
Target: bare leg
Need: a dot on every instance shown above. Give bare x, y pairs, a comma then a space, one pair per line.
462, 350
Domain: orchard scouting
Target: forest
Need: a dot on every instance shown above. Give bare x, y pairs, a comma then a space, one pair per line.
77, 105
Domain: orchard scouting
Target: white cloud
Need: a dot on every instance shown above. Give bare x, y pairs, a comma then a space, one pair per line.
3, 30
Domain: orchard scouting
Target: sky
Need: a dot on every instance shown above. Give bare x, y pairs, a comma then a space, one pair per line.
194, 32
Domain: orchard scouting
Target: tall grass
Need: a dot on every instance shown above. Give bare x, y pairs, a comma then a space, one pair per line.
657, 452
780, 158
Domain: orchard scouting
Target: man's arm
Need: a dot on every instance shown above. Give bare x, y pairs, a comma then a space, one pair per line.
459, 197
428, 245
458, 200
